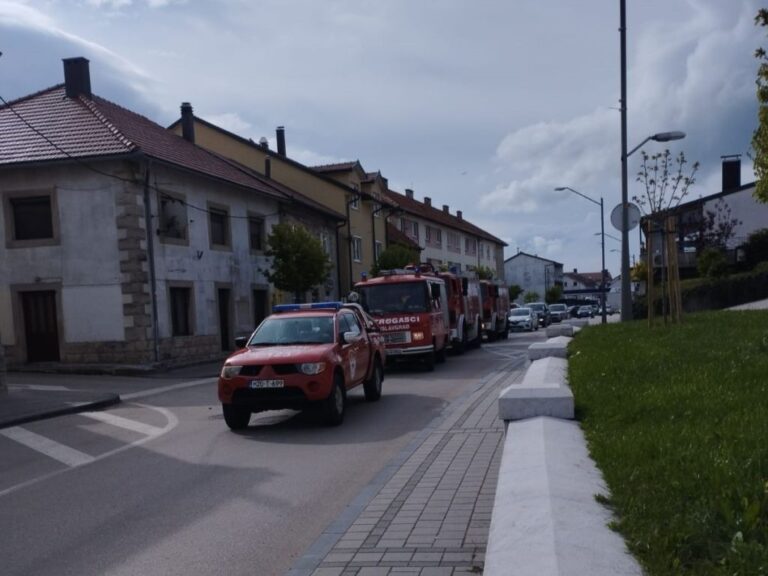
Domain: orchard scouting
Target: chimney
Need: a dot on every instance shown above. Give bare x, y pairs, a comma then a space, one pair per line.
77, 77
446, 209
459, 214
264, 143
268, 167
575, 270
281, 140
187, 122
731, 171
409, 193
427, 201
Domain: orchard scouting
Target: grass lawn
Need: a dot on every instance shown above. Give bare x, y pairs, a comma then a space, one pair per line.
677, 420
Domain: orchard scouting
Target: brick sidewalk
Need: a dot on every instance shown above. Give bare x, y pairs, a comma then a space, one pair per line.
429, 512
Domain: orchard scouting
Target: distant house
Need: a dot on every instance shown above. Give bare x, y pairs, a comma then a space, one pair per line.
696, 220
446, 239
127, 244
533, 273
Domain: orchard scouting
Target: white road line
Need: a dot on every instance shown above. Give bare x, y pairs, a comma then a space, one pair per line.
120, 422
50, 448
39, 387
160, 390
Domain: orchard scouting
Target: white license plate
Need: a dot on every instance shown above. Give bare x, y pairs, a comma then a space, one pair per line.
267, 383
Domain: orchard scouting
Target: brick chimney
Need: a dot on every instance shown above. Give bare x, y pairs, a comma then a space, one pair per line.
409, 193
77, 77
187, 122
281, 140
731, 171
268, 167
446, 209
459, 215
427, 201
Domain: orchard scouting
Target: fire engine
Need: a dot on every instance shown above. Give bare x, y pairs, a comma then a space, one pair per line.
411, 307
495, 298
464, 311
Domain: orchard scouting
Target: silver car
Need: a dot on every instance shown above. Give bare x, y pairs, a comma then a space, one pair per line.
523, 319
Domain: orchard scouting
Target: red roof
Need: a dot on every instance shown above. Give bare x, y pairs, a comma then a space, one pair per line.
439, 216
80, 128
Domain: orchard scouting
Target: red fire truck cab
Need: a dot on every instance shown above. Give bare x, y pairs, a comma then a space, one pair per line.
464, 311
411, 309
495, 297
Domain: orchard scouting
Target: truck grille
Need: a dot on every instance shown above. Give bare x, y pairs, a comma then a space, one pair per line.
397, 337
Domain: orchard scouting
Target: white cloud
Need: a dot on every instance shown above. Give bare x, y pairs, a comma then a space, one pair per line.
232, 122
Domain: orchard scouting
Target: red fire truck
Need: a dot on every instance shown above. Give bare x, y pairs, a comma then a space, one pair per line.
495, 297
464, 311
411, 308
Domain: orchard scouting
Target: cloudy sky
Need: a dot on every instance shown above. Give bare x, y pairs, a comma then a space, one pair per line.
482, 105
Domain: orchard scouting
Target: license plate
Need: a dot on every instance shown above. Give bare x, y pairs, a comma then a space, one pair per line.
267, 383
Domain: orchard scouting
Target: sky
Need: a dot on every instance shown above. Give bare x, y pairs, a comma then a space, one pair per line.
485, 106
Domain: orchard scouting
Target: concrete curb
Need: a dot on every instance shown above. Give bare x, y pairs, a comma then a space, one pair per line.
557, 346
16, 410
543, 392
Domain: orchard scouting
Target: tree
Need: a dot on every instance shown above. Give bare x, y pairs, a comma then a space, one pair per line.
514, 292
553, 294
711, 263
665, 183
719, 226
639, 272
531, 296
484, 272
394, 256
756, 247
760, 136
298, 260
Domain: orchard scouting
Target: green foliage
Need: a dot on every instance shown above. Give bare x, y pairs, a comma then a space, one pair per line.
711, 263
760, 135
639, 272
676, 418
756, 248
484, 272
298, 260
395, 256
514, 292
553, 294
531, 296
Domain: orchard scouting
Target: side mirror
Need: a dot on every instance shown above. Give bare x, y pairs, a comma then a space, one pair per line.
350, 337
240, 342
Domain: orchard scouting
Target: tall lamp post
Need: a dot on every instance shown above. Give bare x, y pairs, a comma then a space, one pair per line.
602, 244
626, 291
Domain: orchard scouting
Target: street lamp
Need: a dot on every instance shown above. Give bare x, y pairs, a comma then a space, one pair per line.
626, 290
602, 243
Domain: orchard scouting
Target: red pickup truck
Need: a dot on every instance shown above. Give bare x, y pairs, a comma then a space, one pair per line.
303, 355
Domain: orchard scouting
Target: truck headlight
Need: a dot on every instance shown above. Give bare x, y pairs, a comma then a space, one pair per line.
312, 368
416, 336
229, 371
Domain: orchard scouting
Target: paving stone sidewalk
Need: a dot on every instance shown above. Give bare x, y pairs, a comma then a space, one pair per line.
429, 512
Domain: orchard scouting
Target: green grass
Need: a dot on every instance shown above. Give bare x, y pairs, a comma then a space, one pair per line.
677, 420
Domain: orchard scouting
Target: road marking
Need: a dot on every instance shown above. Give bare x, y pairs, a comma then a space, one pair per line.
39, 387
173, 421
160, 390
120, 422
50, 448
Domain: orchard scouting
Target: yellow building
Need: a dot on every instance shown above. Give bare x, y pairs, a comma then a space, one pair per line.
345, 188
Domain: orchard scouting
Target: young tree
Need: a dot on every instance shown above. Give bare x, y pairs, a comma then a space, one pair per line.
514, 292
553, 294
531, 296
760, 136
395, 256
665, 183
298, 260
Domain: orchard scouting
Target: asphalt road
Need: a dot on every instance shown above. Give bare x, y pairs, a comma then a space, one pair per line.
159, 485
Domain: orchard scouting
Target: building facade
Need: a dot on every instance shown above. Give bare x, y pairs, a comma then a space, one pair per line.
533, 274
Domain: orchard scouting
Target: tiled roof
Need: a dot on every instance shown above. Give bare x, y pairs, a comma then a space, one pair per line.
339, 167
439, 216
84, 128
532, 256
585, 279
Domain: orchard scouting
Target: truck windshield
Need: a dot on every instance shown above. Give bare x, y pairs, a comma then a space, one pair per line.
393, 297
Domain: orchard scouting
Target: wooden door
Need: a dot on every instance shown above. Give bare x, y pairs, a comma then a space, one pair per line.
40, 325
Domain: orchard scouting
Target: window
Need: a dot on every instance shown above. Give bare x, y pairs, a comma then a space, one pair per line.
376, 210
31, 219
172, 218
348, 323
354, 203
453, 242
218, 220
256, 232
433, 236
415, 230
357, 248
181, 311
470, 246
378, 247
325, 241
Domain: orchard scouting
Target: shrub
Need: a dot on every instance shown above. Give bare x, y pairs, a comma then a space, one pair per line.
712, 264
756, 248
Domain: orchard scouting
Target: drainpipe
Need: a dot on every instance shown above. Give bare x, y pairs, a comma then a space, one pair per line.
349, 247
339, 226
151, 258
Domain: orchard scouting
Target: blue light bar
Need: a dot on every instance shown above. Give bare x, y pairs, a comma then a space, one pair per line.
307, 306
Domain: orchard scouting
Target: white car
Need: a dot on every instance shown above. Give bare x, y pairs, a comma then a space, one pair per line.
523, 319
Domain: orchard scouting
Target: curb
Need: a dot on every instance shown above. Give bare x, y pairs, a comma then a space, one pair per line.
105, 402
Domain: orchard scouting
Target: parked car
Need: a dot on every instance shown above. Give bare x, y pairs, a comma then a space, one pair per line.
542, 310
558, 312
586, 312
523, 319
303, 355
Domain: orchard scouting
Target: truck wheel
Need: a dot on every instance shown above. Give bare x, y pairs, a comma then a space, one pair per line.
335, 405
236, 417
372, 386
441, 354
429, 361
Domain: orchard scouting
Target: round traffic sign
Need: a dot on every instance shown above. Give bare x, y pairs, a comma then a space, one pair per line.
633, 216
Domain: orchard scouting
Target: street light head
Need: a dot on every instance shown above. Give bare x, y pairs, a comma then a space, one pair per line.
668, 136
561, 188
